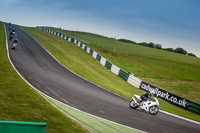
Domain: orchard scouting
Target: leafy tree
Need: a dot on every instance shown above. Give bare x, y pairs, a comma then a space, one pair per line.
191, 54
180, 50
151, 45
143, 44
127, 41
170, 49
158, 46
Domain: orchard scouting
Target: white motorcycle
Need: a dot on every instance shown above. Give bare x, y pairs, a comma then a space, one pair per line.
14, 44
151, 105
11, 35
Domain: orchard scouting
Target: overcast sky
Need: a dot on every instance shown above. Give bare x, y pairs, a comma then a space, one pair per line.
171, 23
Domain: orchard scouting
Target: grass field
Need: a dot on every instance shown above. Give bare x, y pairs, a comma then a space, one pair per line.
19, 102
84, 65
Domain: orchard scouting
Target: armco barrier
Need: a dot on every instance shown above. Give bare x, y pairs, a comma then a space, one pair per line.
91, 52
98, 57
134, 81
88, 50
124, 75
85, 48
194, 107
22, 127
108, 65
131, 79
115, 69
103, 61
94, 54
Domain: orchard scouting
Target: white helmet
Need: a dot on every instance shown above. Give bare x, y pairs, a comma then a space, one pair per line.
151, 93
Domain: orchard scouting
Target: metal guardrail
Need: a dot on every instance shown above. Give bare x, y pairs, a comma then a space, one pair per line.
194, 107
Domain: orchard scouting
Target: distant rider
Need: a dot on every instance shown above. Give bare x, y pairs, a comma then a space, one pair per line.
146, 96
15, 42
13, 29
11, 35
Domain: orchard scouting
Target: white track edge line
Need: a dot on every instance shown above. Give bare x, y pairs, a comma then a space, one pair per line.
180, 117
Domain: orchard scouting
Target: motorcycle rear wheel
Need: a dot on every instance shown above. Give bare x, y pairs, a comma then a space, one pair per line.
133, 105
153, 110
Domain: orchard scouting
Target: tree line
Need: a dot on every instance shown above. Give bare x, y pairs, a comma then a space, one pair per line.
159, 46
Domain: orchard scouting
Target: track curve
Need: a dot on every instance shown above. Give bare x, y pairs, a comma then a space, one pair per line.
42, 71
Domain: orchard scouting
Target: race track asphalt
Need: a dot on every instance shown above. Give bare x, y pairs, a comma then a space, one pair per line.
41, 70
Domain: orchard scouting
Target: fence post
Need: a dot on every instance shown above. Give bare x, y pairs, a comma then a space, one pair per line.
185, 69
170, 65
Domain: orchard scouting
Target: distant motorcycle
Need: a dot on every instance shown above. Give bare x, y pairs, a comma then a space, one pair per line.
151, 105
11, 35
14, 44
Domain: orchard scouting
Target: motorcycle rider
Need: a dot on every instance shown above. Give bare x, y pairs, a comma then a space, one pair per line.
15, 42
11, 35
146, 96
12, 29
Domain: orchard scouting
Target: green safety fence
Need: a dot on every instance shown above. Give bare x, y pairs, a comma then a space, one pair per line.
98, 57
77, 42
22, 127
72, 39
124, 75
85, 48
91, 52
194, 107
108, 65
66, 37
81, 45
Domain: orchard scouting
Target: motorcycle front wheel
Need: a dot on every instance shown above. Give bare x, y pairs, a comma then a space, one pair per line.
133, 105
153, 110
